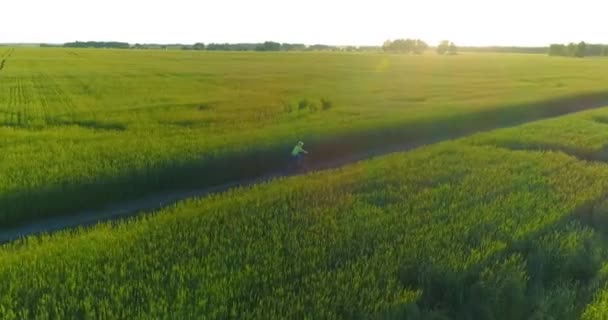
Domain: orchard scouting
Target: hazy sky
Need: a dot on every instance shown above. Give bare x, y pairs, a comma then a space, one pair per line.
467, 22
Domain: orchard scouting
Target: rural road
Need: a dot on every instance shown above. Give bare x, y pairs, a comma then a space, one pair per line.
335, 159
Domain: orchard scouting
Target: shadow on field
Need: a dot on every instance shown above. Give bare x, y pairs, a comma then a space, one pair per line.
534, 277
583, 265
20, 121
34, 211
337, 151
93, 125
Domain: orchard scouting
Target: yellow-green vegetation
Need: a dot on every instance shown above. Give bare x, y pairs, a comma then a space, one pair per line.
467, 229
83, 127
582, 134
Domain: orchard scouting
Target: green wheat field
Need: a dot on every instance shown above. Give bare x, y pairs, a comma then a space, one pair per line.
504, 224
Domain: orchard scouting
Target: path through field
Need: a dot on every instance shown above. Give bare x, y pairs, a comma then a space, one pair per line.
332, 154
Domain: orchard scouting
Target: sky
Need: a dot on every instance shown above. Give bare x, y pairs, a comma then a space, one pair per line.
349, 22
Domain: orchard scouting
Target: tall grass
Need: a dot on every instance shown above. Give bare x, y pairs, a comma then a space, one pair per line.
80, 128
468, 229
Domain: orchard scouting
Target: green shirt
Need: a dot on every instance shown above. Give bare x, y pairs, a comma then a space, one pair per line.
297, 150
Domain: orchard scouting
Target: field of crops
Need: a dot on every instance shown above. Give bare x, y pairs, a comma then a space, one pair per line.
81, 128
508, 224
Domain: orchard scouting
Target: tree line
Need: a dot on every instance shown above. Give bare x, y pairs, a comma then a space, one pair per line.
505, 49
447, 47
407, 46
579, 50
273, 46
97, 44
265, 46
417, 46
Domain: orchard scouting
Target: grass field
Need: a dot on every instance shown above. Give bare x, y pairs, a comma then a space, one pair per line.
81, 128
509, 224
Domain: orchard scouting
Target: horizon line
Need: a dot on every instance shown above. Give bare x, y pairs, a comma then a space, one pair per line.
253, 42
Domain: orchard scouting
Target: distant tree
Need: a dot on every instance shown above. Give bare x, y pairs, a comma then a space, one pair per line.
232, 46
321, 47
571, 49
409, 45
97, 44
405, 46
452, 49
594, 50
443, 47
558, 50
198, 46
293, 47
496, 49
581, 49
269, 46
399, 45
420, 46
387, 45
